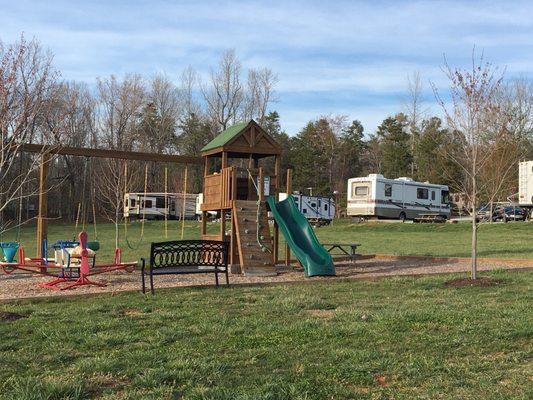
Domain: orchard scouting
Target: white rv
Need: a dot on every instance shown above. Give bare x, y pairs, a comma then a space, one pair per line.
525, 184
375, 196
315, 208
153, 205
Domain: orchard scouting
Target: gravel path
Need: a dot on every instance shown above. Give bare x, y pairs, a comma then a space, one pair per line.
19, 286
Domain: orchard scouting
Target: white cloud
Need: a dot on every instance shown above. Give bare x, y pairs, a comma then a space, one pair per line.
358, 49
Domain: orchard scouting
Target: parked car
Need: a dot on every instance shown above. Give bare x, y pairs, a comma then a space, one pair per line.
483, 212
509, 213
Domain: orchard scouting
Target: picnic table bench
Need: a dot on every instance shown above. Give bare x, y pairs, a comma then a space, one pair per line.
432, 217
186, 257
347, 248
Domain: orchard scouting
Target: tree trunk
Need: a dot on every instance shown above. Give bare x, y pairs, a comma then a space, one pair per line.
473, 273
116, 234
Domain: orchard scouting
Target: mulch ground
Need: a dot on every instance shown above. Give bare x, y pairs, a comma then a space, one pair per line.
19, 285
6, 316
480, 281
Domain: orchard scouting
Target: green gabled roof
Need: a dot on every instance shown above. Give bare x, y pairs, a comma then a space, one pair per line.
226, 136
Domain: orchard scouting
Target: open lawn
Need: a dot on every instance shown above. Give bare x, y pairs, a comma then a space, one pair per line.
398, 338
512, 240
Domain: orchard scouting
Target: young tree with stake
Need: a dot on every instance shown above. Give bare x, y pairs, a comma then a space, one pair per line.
474, 112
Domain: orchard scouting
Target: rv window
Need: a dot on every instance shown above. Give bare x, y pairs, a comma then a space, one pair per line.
325, 207
422, 194
388, 190
160, 202
432, 195
305, 210
132, 203
313, 205
147, 204
445, 197
360, 190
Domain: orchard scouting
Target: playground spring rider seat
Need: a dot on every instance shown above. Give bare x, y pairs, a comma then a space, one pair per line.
9, 249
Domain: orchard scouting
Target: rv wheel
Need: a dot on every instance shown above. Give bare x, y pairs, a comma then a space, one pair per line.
403, 217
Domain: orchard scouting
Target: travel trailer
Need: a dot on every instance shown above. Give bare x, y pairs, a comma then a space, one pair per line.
375, 196
525, 184
152, 205
317, 209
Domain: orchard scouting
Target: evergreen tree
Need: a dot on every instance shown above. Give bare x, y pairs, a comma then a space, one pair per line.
311, 158
195, 133
272, 126
351, 149
395, 148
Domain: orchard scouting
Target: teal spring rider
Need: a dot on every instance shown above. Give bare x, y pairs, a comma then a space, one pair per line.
9, 249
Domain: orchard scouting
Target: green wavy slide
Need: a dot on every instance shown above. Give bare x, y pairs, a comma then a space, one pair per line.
301, 238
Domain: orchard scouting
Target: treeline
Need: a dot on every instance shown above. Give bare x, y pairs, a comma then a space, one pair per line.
156, 114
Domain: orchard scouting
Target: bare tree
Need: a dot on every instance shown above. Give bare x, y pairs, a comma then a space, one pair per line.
28, 86
114, 179
120, 106
225, 93
413, 105
476, 114
259, 93
73, 109
499, 179
188, 82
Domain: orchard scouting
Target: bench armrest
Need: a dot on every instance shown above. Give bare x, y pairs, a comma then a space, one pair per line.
143, 265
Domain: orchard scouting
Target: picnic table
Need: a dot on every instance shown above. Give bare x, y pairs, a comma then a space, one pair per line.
350, 249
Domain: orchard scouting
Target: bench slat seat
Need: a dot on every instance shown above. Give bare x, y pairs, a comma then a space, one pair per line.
186, 257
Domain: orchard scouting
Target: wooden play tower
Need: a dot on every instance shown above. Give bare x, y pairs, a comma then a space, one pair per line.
242, 166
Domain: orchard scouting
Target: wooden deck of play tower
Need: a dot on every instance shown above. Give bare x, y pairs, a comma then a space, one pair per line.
233, 192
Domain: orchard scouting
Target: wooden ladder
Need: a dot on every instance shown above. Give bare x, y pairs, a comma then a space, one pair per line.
253, 260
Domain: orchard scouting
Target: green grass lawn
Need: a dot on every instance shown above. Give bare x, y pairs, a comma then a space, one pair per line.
512, 240
399, 338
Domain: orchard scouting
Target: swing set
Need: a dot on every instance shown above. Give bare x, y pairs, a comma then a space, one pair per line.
77, 274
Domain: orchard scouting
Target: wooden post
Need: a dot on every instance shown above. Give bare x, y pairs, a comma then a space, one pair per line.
206, 166
289, 191
222, 224
249, 176
261, 185
42, 212
166, 203
184, 203
204, 223
277, 173
224, 159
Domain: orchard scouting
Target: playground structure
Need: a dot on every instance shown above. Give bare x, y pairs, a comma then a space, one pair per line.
239, 176
72, 266
47, 152
236, 185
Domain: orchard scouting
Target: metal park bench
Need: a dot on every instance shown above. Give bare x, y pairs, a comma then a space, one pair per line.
186, 257
346, 248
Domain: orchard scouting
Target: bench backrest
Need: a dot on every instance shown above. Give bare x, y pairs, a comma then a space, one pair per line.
189, 253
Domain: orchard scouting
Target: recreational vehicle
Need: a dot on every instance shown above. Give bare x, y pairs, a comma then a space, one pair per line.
154, 206
375, 196
317, 209
525, 184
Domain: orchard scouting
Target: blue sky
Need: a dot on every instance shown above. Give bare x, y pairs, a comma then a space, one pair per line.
341, 57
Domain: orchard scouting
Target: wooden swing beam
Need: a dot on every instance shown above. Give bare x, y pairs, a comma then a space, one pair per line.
47, 151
